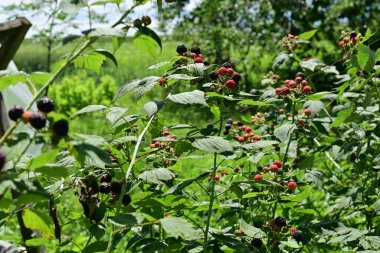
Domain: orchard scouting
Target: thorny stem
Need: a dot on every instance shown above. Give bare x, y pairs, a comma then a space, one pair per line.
212, 196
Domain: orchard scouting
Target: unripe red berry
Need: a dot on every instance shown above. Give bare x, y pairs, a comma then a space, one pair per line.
26, 116
281, 111
292, 185
278, 163
291, 83
241, 139
341, 43
265, 169
193, 55
307, 89
298, 79
198, 60
248, 129
285, 91
152, 146
346, 40
278, 91
304, 82
291, 36
292, 230
256, 137
307, 111
222, 71
231, 84
273, 168
217, 177
356, 40
230, 71
246, 136
258, 177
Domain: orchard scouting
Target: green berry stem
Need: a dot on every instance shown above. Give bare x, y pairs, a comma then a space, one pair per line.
212, 196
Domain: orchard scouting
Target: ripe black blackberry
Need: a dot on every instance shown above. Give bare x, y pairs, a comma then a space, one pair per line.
240, 123
280, 222
181, 49
236, 77
300, 74
206, 63
105, 177
61, 127
195, 49
15, 112
353, 34
126, 199
116, 187
228, 126
214, 75
226, 65
38, 120
45, 105
146, 20
105, 188
137, 22
256, 242
225, 132
297, 235
3, 159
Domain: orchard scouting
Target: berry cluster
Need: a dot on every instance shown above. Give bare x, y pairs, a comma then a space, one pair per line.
243, 133
278, 223
38, 120
298, 86
296, 234
290, 42
145, 20
271, 78
260, 118
225, 77
107, 186
194, 56
349, 39
161, 144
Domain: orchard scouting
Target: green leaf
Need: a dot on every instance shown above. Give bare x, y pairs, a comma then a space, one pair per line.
127, 220
181, 77
212, 144
108, 55
314, 105
53, 171
367, 36
89, 108
153, 107
138, 86
71, 6
98, 246
90, 155
216, 111
311, 64
43, 159
92, 61
35, 219
115, 114
179, 227
377, 55
214, 94
251, 230
179, 187
8, 78
365, 58
308, 35
37, 242
159, 65
258, 103
191, 97
107, 32
281, 60
143, 30
342, 116
91, 139
260, 144
157, 176
283, 132
124, 139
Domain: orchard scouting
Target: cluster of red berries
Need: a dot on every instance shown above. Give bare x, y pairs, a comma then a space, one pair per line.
107, 186
38, 120
194, 56
297, 86
227, 77
349, 39
296, 234
244, 133
145, 20
160, 144
290, 42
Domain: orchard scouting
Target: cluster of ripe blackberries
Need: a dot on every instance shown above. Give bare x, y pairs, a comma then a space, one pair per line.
145, 20
227, 76
195, 54
107, 186
296, 234
38, 119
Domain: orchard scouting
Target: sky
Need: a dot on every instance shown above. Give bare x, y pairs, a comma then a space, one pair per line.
40, 20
